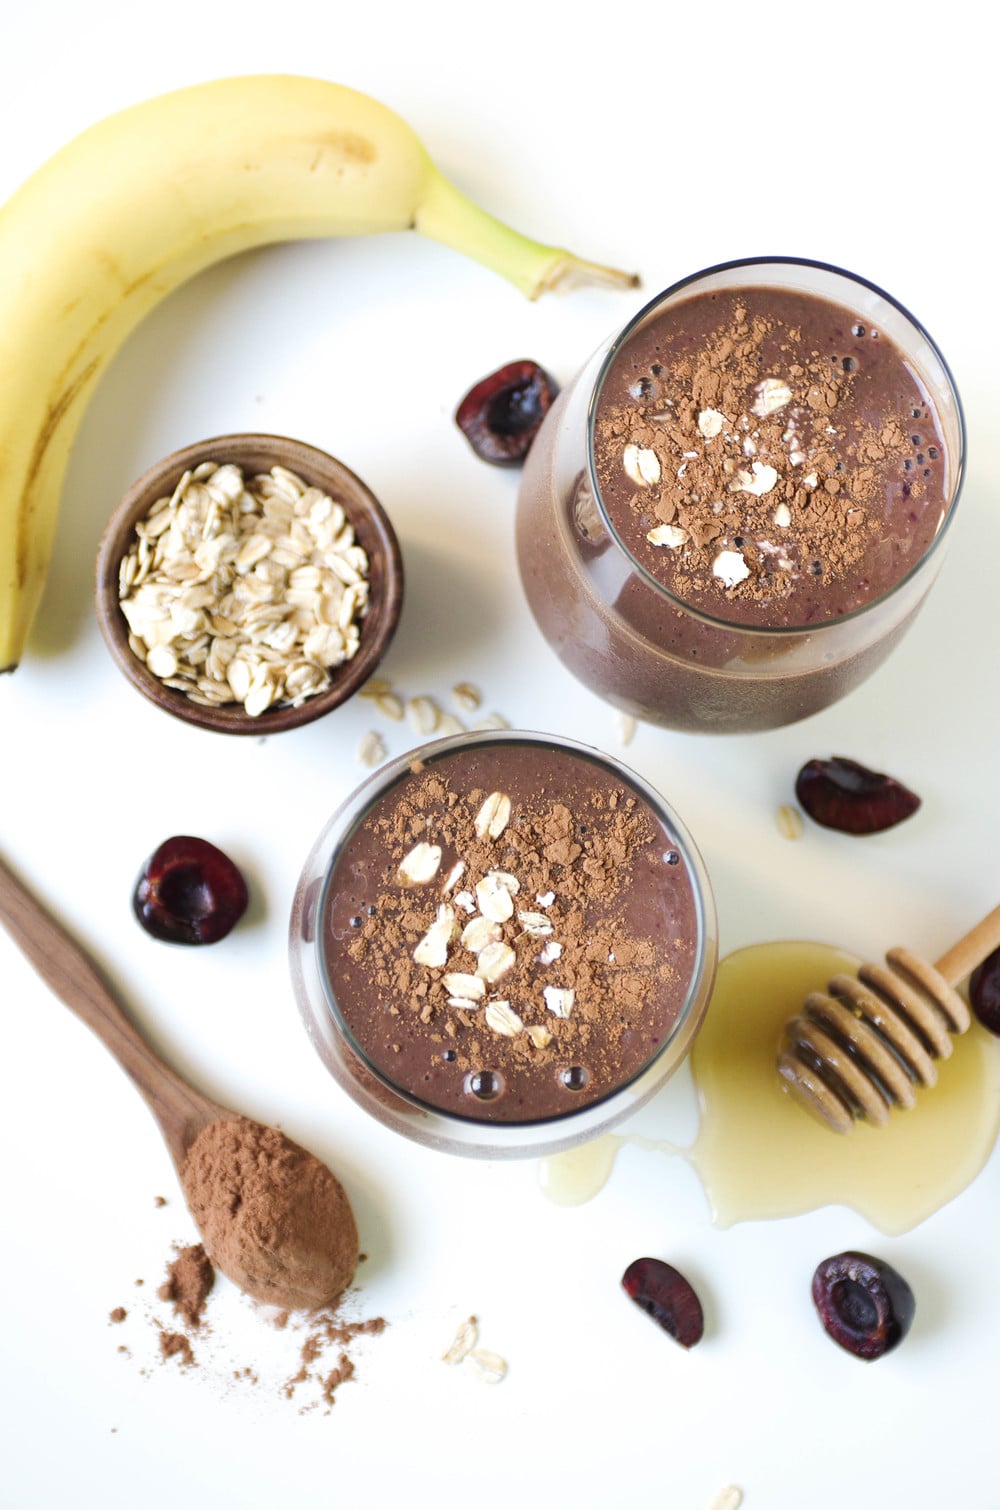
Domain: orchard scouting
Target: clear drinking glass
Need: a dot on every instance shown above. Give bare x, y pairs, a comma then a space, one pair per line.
628, 638
668, 888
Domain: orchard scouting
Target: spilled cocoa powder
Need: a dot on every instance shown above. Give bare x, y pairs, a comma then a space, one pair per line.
176, 1345
328, 1330
190, 1342
278, 1223
189, 1281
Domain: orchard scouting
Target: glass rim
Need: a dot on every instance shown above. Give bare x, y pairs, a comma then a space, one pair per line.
736, 627
351, 812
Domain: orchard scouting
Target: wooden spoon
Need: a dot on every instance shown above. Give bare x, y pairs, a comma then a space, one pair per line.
181, 1111
291, 1241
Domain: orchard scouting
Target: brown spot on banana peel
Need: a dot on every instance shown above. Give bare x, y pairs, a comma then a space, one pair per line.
57, 411
60, 406
348, 146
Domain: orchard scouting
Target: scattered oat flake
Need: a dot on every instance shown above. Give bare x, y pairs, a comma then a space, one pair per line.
375, 686
493, 816
642, 465
501, 1017
491, 721
372, 749
454, 875
489, 1367
772, 394
432, 949
550, 952
480, 932
465, 987
540, 1037
494, 961
758, 481
627, 726
463, 1342
782, 516
449, 724
424, 714
420, 865
729, 1498
390, 705
467, 697
789, 821
711, 423
495, 895
559, 1000
730, 568
670, 535
536, 924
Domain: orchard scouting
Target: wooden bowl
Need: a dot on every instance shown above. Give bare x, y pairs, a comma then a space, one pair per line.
255, 454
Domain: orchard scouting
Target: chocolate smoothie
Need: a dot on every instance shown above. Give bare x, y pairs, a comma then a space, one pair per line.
769, 458
511, 931
769, 469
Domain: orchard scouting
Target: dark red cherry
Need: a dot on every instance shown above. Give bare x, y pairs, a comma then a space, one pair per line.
984, 991
863, 1303
502, 414
663, 1293
189, 892
842, 794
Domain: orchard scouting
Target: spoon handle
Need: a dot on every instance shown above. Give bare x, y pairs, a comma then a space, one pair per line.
180, 1110
970, 951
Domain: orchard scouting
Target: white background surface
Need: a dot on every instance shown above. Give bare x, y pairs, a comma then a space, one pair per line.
861, 135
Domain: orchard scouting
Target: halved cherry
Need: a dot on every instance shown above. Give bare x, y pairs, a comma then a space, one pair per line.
189, 892
663, 1293
501, 415
842, 794
863, 1303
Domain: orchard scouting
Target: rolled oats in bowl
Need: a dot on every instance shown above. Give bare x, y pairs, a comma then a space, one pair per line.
249, 582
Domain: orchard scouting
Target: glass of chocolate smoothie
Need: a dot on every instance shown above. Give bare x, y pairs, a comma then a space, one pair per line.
732, 515
503, 943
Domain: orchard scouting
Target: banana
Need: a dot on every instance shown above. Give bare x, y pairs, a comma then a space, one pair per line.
148, 197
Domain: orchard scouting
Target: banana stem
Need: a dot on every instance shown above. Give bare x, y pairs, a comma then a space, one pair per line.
446, 215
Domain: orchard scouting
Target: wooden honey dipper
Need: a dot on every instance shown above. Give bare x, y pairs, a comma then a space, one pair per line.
865, 1044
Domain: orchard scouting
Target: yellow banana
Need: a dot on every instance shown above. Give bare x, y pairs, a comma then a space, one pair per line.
145, 199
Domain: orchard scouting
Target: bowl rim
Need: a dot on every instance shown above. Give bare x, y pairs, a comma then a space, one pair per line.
318, 467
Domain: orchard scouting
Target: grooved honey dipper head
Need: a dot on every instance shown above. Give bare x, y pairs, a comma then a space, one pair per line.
865, 1044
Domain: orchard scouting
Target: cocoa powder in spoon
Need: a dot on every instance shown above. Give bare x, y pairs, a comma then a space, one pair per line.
273, 1217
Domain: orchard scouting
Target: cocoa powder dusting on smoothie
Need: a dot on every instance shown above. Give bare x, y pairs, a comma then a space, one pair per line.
547, 951
768, 457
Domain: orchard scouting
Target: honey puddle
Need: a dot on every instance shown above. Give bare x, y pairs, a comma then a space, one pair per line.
759, 1155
